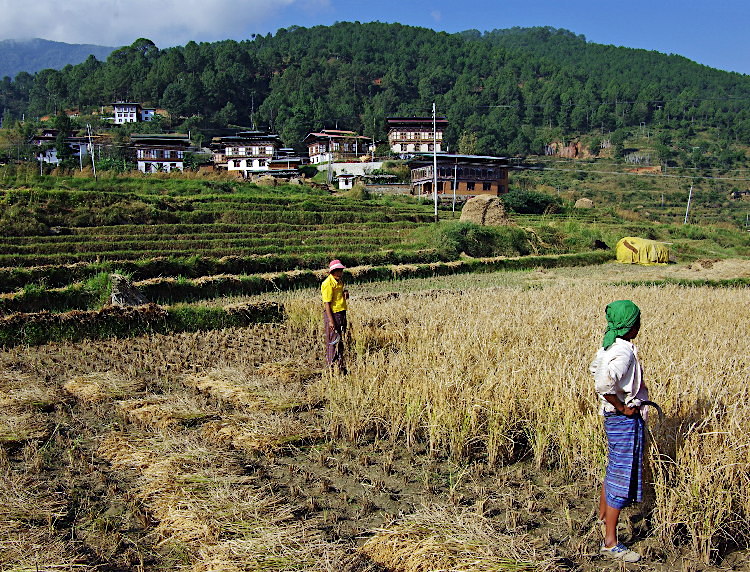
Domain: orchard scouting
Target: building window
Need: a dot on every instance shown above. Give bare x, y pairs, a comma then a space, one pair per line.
470, 186
440, 186
501, 188
486, 186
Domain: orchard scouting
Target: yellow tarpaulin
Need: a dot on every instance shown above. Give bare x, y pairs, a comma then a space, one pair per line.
634, 250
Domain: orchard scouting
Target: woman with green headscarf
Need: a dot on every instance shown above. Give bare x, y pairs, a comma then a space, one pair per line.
618, 378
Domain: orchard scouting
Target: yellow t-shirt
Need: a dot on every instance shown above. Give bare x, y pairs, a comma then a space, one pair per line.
333, 291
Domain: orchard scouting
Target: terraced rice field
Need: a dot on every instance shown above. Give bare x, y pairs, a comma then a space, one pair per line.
228, 450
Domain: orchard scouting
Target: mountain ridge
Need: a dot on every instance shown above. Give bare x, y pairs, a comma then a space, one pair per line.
31, 55
512, 91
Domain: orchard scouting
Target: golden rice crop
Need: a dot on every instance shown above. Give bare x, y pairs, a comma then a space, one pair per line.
100, 386
446, 538
162, 411
499, 373
260, 432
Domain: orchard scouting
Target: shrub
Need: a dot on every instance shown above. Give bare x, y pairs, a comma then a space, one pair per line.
531, 202
481, 241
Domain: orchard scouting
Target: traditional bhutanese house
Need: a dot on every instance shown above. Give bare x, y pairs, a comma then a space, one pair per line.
246, 152
470, 174
160, 152
48, 153
286, 165
334, 145
131, 112
408, 135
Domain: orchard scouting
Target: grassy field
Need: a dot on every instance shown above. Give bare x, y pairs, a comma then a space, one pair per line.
464, 438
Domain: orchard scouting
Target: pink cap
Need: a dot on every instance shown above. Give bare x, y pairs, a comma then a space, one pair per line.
335, 265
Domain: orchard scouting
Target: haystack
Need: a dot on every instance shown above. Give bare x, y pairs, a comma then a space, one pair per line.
266, 181
584, 203
124, 293
635, 250
485, 210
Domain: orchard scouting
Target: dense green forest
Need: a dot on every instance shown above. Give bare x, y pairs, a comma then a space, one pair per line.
505, 91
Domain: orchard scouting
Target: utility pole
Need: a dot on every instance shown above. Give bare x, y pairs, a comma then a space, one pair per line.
434, 161
329, 177
91, 148
687, 210
455, 185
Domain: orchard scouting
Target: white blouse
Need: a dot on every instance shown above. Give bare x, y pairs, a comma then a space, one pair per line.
617, 371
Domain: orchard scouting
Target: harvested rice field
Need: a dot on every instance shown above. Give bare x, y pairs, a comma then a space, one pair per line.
465, 436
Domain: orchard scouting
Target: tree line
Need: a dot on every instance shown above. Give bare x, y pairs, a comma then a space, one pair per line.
503, 91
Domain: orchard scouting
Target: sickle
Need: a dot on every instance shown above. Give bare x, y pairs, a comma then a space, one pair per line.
655, 406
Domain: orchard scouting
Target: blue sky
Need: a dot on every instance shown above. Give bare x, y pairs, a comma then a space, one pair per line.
711, 33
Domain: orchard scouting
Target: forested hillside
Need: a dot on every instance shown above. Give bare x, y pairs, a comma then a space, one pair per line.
514, 89
36, 54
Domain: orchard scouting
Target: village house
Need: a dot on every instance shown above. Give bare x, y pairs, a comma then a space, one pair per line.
409, 135
48, 152
129, 112
286, 164
246, 153
334, 145
470, 175
160, 152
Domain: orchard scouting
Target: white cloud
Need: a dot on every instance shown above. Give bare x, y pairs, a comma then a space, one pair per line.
120, 22
437, 15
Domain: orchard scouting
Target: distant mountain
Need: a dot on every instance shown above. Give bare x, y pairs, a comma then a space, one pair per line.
37, 54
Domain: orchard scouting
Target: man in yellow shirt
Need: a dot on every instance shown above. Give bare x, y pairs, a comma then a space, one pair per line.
334, 297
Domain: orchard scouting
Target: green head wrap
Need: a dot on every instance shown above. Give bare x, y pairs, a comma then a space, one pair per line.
621, 316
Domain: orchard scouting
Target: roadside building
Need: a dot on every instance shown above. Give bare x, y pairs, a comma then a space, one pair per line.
160, 152
334, 145
410, 135
470, 175
131, 112
246, 153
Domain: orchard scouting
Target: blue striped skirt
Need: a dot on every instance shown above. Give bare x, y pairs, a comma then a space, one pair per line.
623, 483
